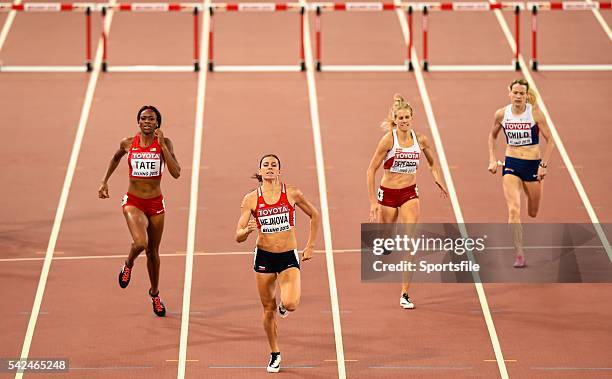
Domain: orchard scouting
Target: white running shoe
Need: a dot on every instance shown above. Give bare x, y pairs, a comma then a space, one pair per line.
282, 311
275, 360
405, 302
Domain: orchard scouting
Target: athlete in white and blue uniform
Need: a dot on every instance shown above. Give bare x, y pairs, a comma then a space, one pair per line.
524, 169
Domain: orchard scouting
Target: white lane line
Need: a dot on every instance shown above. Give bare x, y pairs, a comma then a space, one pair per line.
193, 202
177, 254
320, 164
150, 68
602, 22
269, 68
337, 251
572, 368
574, 67
482, 297
7, 25
555, 135
74, 156
364, 68
470, 68
43, 69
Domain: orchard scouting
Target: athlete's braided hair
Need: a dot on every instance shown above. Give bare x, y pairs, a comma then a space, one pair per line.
398, 104
532, 97
256, 175
150, 107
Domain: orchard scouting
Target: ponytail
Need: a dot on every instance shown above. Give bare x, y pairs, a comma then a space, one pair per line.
532, 97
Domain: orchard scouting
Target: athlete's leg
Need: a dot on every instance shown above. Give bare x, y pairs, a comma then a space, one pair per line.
290, 288
154, 231
137, 223
409, 213
512, 192
388, 215
266, 286
534, 192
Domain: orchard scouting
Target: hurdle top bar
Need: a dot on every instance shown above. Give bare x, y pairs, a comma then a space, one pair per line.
323, 6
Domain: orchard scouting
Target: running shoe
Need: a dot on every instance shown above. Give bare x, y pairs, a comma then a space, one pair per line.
125, 275
275, 360
158, 307
405, 302
520, 261
282, 311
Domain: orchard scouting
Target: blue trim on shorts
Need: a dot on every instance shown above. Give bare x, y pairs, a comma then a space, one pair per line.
525, 169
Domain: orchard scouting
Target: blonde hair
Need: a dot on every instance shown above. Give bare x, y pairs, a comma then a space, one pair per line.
532, 97
399, 104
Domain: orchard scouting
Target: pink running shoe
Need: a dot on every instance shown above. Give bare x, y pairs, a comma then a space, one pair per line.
520, 261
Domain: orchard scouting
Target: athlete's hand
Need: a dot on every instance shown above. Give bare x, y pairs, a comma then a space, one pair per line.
103, 191
307, 253
374, 212
251, 227
493, 167
443, 191
160, 137
541, 173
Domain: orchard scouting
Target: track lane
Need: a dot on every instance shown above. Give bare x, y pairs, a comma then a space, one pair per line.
525, 313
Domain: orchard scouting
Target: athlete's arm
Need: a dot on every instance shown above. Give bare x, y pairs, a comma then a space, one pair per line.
430, 155
124, 146
245, 224
315, 219
385, 144
499, 116
168, 151
539, 118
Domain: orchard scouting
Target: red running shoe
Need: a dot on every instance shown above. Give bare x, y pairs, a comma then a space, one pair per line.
158, 307
125, 275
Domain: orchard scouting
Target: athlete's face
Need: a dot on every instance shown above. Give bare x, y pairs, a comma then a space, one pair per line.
518, 95
147, 121
403, 119
269, 168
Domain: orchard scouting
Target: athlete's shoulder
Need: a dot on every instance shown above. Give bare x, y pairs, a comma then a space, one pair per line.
294, 194
291, 189
421, 139
387, 140
499, 114
250, 199
126, 142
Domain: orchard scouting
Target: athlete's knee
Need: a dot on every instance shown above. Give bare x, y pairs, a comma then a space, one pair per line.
514, 214
533, 211
139, 245
152, 253
269, 312
291, 305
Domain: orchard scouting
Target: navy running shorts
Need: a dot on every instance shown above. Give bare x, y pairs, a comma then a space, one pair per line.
269, 263
526, 169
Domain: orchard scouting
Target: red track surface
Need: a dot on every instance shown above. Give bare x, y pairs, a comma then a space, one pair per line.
109, 332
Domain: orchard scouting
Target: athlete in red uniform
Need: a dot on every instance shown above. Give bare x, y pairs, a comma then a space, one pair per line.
143, 204
272, 206
397, 198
